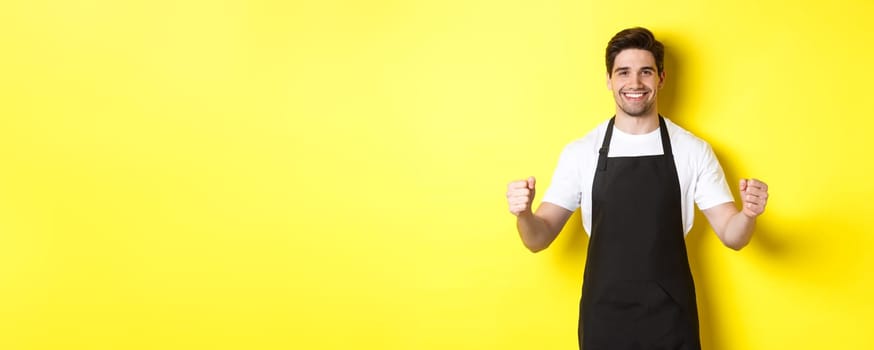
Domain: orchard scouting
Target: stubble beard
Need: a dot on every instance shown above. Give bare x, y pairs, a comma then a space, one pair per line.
636, 112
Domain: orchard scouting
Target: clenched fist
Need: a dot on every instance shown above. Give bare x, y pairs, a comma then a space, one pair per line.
520, 194
754, 196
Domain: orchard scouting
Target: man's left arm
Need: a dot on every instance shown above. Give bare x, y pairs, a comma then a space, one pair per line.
735, 227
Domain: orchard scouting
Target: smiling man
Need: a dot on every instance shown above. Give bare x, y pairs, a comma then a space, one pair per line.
637, 178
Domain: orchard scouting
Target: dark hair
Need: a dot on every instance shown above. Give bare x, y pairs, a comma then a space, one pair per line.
635, 38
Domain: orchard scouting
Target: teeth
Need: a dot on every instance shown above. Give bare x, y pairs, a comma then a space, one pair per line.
637, 95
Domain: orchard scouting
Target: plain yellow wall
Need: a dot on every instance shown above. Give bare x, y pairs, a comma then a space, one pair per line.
331, 174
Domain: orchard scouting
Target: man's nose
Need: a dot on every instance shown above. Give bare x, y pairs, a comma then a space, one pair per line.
635, 80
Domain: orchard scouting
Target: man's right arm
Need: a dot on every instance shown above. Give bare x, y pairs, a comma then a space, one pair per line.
537, 229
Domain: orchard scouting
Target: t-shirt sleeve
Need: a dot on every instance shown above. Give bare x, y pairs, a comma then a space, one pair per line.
564, 190
711, 188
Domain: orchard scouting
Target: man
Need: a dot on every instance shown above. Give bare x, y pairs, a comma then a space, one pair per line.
637, 177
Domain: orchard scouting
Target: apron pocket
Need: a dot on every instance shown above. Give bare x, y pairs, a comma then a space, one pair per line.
613, 314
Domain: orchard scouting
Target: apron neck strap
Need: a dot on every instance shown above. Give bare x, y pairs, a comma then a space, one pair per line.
605, 146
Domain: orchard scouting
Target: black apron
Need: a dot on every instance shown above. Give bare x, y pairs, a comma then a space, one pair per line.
637, 288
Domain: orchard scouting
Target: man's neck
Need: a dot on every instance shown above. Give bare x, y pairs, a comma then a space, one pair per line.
644, 124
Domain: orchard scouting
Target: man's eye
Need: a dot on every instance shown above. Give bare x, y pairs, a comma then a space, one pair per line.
647, 72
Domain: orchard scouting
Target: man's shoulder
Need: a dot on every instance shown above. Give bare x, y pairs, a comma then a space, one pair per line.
686, 140
691, 150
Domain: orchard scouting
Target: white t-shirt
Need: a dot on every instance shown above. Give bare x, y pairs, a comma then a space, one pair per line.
702, 180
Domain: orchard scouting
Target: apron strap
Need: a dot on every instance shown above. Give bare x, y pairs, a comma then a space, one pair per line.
666, 141
605, 146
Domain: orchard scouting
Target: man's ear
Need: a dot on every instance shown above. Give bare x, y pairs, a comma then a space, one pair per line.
661, 79
608, 82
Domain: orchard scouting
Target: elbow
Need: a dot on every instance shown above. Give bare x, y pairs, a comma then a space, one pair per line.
538, 241
732, 240
735, 245
537, 245
534, 248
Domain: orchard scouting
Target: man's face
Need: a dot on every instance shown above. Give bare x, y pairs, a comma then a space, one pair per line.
635, 82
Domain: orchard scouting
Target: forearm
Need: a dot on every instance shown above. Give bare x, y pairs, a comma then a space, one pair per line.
534, 231
738, 231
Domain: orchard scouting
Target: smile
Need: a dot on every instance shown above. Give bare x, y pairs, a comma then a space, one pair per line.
634, 95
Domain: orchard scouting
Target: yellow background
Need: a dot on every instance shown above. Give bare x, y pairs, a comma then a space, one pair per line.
331, 174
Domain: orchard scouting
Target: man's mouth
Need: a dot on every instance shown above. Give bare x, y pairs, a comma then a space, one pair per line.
634, 95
